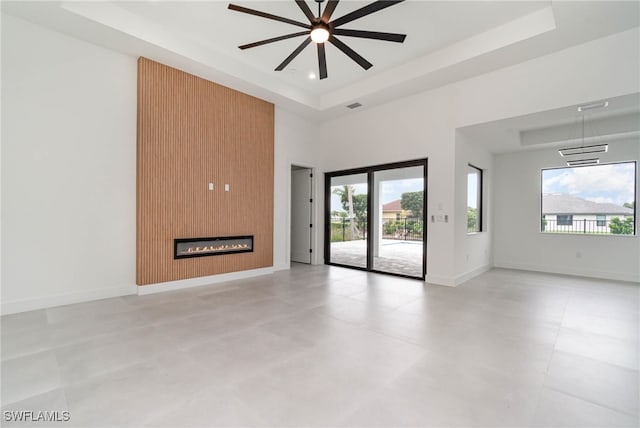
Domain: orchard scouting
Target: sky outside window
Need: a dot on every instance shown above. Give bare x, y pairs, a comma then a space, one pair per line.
610, 183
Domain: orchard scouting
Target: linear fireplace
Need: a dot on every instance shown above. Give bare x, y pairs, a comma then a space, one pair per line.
201, 247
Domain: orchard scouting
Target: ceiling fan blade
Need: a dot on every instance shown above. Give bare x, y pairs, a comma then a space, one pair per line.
305, 9
322, 61
267, 15
389, 37
364, 11
274, 39
294, 54
328, 10
350, 53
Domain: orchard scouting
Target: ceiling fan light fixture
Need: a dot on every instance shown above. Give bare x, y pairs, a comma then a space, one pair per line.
321, 29
319, 34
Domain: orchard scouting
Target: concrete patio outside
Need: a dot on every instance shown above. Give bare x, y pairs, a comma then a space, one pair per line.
401, 257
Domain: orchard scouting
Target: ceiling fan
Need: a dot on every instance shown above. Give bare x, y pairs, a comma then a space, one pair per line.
322, 29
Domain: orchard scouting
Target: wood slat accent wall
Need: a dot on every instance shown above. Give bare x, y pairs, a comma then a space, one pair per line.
192, 132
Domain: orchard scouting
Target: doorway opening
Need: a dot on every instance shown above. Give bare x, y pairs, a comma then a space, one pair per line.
301, 214
374, 218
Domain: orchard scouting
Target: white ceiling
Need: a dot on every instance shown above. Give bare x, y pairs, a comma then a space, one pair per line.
429, 25
619, 121
446, 41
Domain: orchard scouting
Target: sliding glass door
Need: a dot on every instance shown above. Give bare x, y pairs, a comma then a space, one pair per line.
398, 232
375, 218
349, 201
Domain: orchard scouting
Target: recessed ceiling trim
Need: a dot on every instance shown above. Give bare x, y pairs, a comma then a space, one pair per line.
153, 41
516, 31
141, 33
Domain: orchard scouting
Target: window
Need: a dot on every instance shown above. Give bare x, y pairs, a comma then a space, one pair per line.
474, 199
564, 220
594, 199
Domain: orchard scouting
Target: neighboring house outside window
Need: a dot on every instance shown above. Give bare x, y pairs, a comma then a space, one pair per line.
393, 211
563, 213
396, 222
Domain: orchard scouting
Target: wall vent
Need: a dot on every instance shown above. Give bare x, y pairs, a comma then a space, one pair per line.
354, 105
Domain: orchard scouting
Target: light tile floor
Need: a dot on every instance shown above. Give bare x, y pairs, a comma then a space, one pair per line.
325, 346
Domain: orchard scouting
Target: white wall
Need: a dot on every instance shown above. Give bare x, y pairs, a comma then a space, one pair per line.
411, 128
473, 252
600, 69
68, 169
294, 145
518, 240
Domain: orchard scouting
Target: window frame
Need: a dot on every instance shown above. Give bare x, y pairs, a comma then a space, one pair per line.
479, 195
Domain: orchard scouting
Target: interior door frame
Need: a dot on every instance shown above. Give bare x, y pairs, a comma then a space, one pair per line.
310, 198
370, 170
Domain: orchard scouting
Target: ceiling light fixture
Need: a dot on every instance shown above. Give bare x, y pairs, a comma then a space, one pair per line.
583, 150
583, 162
593, 106
319, 34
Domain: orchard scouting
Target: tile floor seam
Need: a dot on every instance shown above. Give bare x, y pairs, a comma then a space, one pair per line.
595, 360
400, 338
602, 335
604, 406
564, 311
8, 403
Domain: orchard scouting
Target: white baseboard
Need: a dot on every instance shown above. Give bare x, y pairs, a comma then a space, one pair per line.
455, 281
283, 266
471, 274
13, 307
440, 280
200, 281
563, 270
